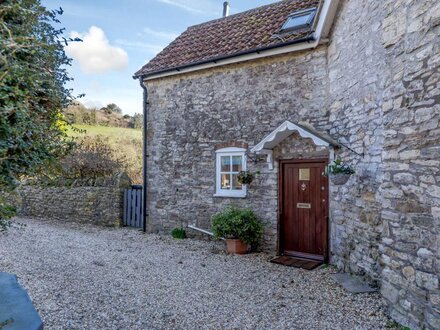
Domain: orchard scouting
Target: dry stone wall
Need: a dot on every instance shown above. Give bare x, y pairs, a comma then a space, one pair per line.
100, 202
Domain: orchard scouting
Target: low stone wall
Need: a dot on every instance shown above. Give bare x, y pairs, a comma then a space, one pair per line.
100, 202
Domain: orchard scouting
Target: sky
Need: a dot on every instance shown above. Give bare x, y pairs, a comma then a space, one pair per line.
120, 36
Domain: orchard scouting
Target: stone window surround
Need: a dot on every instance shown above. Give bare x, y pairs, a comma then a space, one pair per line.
229, 151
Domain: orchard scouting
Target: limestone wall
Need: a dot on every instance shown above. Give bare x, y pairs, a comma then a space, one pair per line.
100, 202
411, 162
190, 116
383, 65
357, 74
375, 89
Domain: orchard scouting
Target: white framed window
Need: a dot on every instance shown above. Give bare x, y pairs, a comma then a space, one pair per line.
229, 162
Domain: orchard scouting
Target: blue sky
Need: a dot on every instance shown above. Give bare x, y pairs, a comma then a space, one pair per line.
121, 36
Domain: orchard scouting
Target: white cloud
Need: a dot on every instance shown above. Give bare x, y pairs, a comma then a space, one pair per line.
145, 46
161, 34
95, 54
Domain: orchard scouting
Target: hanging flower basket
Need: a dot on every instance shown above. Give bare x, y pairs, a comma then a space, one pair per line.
339, 173
339, 179
245, 177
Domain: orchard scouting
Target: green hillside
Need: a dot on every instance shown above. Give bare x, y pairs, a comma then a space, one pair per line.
114, 133
126, 142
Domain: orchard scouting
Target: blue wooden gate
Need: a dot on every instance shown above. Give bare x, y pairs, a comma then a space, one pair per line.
133, 206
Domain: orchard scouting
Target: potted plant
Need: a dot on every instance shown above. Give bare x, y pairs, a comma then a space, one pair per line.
246, 177
339, 172
240, 227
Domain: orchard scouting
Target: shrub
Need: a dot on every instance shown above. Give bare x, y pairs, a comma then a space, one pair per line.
33, 77
238, 223
92, 158
178, 233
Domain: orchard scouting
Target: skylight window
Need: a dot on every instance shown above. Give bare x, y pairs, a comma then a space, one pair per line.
300, 20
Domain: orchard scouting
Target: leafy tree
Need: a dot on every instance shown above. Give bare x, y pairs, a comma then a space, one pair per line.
75, 113
32, 92
112, 108
138, 120
78, 113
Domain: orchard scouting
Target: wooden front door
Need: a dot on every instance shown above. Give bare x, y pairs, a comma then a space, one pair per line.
303, 209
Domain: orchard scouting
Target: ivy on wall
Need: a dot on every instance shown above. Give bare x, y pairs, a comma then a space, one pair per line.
32, 93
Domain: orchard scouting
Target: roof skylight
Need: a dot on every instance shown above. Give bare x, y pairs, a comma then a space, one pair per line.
299, 20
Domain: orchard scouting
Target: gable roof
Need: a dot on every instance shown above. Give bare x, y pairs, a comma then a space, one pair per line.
237, 34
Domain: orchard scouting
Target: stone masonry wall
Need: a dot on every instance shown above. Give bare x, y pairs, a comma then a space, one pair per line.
100, 203
191, 116
411, 162
356, 69
375, 89
383, 65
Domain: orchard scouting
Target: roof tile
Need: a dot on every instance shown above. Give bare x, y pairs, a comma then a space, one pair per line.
228, 36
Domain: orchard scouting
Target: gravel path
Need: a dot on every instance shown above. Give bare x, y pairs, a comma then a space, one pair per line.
86, 277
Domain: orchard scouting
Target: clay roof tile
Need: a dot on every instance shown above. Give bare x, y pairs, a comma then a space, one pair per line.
235, 34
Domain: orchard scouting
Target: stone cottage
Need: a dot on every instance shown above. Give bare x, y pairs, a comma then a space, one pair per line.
286, 88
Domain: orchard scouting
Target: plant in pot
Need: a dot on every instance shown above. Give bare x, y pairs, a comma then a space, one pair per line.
339, 172
246, 177
240, 227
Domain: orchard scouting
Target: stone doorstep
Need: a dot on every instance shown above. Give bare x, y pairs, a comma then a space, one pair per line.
351, 283
16, 306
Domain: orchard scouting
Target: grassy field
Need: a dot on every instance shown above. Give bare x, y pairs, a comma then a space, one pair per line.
126, 142
113, 133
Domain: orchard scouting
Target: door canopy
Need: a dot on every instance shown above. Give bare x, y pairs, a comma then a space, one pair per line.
286, 129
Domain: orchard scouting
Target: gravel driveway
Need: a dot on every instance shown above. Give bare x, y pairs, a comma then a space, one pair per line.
86, 277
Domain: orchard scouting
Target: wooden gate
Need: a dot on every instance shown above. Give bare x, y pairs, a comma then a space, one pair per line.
133, 206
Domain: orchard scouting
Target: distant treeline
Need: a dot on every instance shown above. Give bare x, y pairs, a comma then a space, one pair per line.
110, 115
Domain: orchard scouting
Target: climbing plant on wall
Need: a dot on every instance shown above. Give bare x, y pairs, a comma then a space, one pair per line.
32, 93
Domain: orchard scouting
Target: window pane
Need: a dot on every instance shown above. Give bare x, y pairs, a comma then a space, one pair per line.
297, 21
225, 163
226, 181
235, 184
236, 163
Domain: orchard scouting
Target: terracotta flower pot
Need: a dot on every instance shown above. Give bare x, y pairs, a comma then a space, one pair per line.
236, 246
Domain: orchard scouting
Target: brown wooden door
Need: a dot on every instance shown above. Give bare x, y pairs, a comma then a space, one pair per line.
303, 209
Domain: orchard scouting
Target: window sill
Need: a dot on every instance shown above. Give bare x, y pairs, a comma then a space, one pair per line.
230, 196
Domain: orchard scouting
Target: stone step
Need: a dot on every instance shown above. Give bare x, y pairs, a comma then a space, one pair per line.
352, 284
